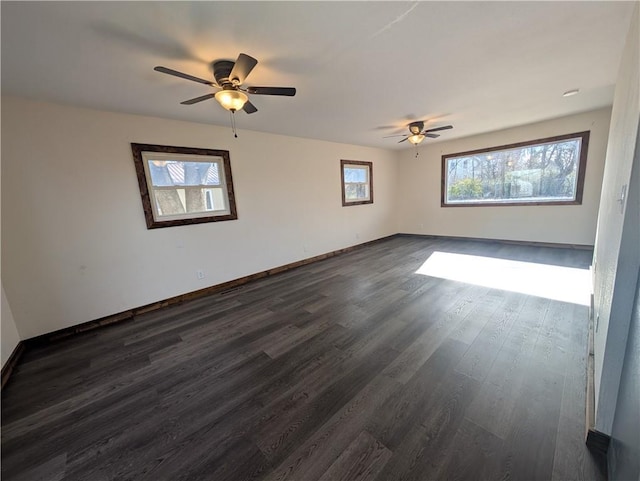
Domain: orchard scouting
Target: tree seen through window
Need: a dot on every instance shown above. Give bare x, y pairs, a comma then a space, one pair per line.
546, 171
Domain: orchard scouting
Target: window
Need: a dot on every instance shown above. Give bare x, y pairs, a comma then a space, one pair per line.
544, 171
357, 182
181, 185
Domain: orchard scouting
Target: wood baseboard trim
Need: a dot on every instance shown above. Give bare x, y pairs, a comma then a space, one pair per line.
598, 442
502, 241
11, 363
225, 286
129, 314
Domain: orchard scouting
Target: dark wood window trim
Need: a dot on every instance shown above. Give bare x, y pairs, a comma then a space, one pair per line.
152, 223
584, 147
344, 163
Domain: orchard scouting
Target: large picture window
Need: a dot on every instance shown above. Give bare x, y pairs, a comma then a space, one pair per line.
357, 182
543, 171
181, 185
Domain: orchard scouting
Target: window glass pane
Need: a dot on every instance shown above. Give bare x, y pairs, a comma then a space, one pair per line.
215, 199
356, 191
209, 200
213, 174
175, 201
545, 172
355, 174
175, 172
170, 201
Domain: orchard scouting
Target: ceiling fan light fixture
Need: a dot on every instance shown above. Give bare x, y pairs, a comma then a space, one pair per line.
415, 139
232, 100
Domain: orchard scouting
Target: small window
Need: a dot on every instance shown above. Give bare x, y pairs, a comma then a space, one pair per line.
541, 172
357, 182
181, 185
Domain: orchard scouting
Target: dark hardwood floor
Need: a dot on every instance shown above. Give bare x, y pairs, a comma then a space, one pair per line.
353, 368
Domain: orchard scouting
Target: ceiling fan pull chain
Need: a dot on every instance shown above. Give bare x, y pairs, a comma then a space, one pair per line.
233, 123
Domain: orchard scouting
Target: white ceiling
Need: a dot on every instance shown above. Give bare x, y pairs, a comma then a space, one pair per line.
363, 70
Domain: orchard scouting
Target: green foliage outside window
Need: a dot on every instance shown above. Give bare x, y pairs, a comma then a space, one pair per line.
466, 189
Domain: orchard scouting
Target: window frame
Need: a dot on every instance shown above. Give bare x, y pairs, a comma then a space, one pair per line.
582, 165
187, 154
357, 164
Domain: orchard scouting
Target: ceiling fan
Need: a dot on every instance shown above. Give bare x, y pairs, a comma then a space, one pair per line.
229, 79
417, 135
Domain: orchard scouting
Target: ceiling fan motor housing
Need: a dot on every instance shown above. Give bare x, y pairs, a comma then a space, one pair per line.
221, 71
416, 127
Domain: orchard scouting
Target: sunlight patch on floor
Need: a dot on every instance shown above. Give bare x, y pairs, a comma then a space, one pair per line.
567, 284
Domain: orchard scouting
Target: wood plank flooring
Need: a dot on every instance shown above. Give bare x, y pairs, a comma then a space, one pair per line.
353, 368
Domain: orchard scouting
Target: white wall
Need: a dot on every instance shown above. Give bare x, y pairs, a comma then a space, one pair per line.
9, 337
9, 333
623, 455
75, 246
617, 249
420, 179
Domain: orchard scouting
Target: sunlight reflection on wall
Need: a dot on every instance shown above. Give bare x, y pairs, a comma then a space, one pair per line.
567, 284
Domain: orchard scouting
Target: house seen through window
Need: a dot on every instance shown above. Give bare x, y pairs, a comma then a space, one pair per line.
186, 187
